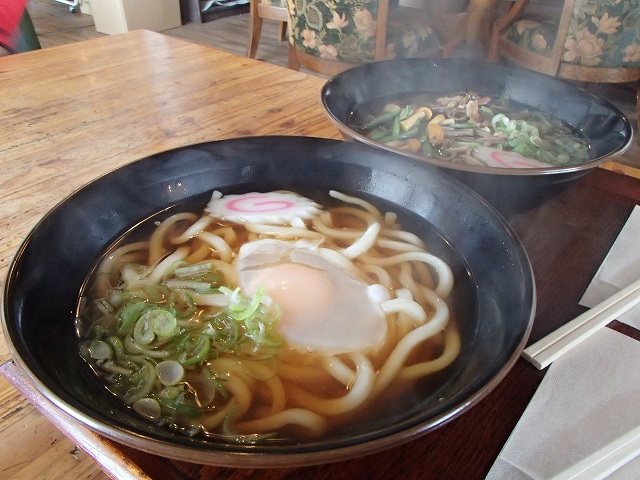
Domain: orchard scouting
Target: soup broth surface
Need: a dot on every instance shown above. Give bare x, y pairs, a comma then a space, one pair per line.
172, 323
471, 128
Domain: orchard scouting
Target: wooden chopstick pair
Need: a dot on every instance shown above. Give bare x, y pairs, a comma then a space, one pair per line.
560, 341
605, 461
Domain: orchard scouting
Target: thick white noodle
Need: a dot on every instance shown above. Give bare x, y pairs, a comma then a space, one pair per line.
355, 397
156, 249
285, 232
219, 245
406, 279
364, 243
199, 225
338, 370
211, 421
409, 307
313, 422
104, 275
160, 269
404, 236
302, 374
228, 234
445, 276
398, 246
380, 273
449, 354
357, 201
240, 391
398, 356
323, 223
278, 395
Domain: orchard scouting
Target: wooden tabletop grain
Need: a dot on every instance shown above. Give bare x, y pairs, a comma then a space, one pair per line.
70, 114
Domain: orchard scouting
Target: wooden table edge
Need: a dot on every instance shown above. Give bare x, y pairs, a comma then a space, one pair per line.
105, 454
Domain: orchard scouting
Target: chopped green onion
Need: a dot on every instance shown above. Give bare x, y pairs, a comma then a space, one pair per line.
381, 119
192, 270
143, 331
148, 407
100, 350
192, 284
129, 316
197, 351
143, 381
169, 372
181, 304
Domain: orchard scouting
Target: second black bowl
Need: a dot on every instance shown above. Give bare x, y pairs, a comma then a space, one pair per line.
602, 124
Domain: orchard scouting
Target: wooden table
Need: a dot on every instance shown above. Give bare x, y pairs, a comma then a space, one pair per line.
73, 113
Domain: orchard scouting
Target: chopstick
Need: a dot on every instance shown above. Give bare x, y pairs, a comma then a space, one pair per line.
605, 461
560, 341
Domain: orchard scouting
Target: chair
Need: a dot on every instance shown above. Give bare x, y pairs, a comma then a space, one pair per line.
463, 21
27, 38
591, 40
271, 10
329, 37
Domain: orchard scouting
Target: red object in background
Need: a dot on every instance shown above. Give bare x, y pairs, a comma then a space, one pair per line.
10, 14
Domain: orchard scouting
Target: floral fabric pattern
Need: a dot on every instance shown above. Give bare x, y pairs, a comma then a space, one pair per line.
602, 33
345, 30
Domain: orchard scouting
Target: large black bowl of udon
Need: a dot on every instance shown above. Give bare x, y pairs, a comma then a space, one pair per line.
348, 96
493, 299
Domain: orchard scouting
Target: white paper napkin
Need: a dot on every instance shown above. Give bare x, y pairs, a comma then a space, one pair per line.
589, 397
620, 268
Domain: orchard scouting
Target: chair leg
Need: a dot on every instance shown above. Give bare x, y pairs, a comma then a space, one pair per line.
255, 30
293, 62
283, 31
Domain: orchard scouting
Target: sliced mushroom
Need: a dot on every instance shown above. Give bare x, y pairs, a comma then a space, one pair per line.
391, 107
419, 114
435, 134
437, 120
473, 112
412, 145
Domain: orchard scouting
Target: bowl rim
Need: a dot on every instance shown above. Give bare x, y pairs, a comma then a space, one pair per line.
209, 455
523, 172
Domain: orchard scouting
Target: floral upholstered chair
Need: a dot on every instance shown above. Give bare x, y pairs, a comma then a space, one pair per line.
592, 40
331, 35
259, 10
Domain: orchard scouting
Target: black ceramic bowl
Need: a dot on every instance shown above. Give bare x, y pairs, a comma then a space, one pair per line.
494, 297
603, 125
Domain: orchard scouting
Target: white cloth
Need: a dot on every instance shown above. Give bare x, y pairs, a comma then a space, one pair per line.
588, 398
620, 268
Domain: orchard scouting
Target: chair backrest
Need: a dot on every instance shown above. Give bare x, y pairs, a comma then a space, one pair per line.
27, 38
272, 9
592, 40
264, 9
330, 40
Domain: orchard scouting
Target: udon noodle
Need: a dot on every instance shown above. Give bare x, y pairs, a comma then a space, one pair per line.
168, 329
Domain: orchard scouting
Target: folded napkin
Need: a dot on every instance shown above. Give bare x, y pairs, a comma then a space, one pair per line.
620, 268
588, 398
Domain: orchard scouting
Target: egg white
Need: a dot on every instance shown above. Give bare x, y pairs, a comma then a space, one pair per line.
325, 309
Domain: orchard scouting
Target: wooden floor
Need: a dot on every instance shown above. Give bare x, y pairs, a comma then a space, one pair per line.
55, 25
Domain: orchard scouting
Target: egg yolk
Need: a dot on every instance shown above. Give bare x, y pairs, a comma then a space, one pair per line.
299, 290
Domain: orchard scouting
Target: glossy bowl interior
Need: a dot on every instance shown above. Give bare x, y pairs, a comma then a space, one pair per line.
603, 125
494, 297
